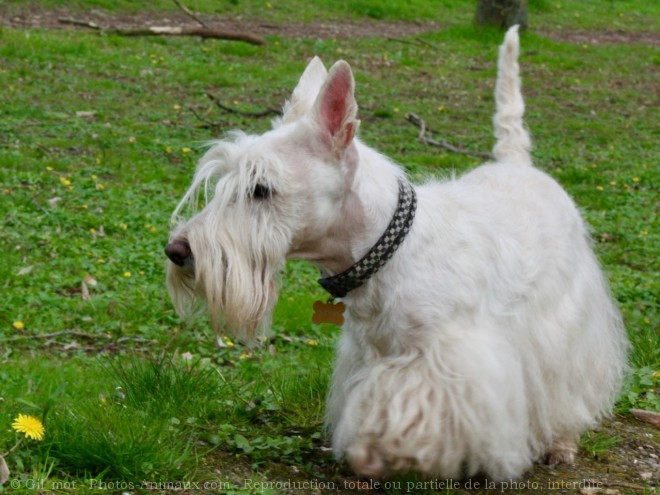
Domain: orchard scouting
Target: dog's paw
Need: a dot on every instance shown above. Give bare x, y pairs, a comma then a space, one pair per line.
562, 452
366, 460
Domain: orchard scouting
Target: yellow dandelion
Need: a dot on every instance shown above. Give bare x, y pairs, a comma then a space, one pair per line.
644, 232
176, 107
65, 182
185, 150
245, 355
123, 226
18, 325
50, 169
131, 139
127, 274
100, 187
168, 149
635, 179
312, 342
600, 188
29, 425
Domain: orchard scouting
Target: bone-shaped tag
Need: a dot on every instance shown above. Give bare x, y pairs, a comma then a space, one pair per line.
328, 313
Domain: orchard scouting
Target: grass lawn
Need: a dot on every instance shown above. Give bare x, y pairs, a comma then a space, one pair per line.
99, 137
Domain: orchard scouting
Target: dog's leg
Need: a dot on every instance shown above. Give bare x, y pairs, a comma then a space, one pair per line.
348, 363
417, 412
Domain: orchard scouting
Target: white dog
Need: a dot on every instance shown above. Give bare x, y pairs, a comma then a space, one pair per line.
480, 335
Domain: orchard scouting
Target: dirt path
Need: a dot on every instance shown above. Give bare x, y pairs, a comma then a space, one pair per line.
621, 458
39, 17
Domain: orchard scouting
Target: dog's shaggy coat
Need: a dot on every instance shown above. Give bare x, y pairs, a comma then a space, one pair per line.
489, 341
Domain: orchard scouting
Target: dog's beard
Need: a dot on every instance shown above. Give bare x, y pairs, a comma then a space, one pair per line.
237, 283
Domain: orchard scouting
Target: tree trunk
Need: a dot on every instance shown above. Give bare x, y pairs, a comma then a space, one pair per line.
501, 13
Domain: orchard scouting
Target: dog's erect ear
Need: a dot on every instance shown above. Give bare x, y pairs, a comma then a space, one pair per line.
335, 107
306, 91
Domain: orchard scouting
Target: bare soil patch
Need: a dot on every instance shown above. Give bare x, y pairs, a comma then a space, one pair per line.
33, 16
604, 37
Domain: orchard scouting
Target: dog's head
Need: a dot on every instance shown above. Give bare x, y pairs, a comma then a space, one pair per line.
283, 194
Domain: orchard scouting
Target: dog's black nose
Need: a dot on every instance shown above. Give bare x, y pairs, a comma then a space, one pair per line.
178, 251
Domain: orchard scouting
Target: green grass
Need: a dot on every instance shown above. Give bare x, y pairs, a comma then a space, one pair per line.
128, 392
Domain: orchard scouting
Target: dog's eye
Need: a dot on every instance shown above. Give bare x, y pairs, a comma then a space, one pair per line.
262, 192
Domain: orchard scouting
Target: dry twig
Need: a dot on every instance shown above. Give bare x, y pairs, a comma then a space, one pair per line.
262, 113
423, 131
416, 41
650, 417
75, 333
189, 13
205, 123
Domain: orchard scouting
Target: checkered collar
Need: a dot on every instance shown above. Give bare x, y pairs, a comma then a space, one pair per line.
341, 284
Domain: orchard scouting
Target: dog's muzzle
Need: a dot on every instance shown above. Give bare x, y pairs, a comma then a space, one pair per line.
179, 253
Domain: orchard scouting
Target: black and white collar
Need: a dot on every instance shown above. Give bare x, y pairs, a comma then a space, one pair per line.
341, 284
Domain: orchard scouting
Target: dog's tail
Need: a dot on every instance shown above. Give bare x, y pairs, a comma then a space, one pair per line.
513, 141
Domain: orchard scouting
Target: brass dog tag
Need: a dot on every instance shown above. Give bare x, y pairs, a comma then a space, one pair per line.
328, 313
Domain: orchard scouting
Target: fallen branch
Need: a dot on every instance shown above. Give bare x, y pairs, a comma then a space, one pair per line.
262, 113
201, 31
419, 122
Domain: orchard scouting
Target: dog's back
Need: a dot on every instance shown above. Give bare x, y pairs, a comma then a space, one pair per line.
512, 344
